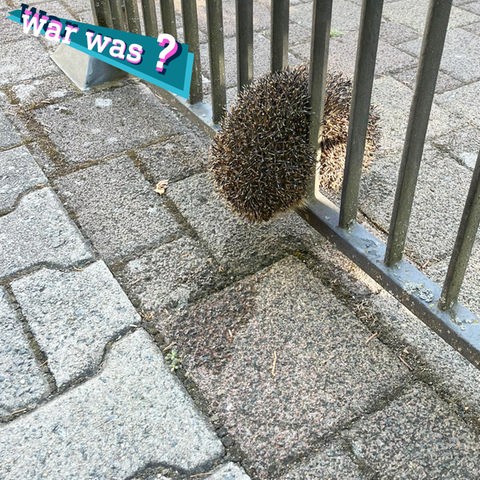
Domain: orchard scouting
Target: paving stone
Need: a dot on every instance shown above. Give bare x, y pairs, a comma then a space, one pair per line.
395, 33
261, 59
8, 135
444, 81
117, 208
230, 471
284, 321
462, 144
473, 28
413, 14
460, 62
437, 206
261, 17
103, 123
417, 437
331, 463
50, 89
18, 173
239, 246
133, 414
393, 100
176, 158
21, 381
345, 16
462, 101
169, 276
471, 6
39, 232
28, 60
343, 51
73, 315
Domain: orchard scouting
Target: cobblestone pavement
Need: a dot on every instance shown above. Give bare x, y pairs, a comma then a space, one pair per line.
150, 336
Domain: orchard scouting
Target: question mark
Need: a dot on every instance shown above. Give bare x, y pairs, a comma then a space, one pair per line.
170, 50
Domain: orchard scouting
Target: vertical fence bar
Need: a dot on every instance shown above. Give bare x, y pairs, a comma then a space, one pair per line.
150, 18
190, 34
322, 16
169, 23
279, 37
101, 13
359, 113
118, 17
244, 14
217, 58
133, 18
464, 242
430, 56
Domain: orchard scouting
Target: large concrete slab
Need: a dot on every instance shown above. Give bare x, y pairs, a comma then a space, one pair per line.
132, 415
117, 208
73, 315
103, 124
417, 436
170, 276
18, 173
239, 246
39, 232
282, 363
21, 381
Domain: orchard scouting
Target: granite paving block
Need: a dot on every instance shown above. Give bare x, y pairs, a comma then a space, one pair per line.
471, 6
413, 14
18, 173
27, 61
39, 232
462, 144
462, 101
230, 471
104, 125
73, 315
395, 33
331, 463
240, 246
393, 100
8, 135
345, 16
459, 62
117, 208
169, 276
132, 415
444, 81
261, 59
51, 89
437, 206
417, 436
473, 28
282, 363
175, 158
22, 383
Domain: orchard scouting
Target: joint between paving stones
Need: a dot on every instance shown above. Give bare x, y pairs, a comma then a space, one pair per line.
20, 196
38, 353
73, 267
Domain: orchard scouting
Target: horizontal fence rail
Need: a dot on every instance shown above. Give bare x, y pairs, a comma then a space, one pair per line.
437, 307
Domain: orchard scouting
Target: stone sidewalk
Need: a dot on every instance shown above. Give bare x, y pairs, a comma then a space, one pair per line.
157, 337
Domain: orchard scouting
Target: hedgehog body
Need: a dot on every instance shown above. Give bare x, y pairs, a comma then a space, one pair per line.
261, 159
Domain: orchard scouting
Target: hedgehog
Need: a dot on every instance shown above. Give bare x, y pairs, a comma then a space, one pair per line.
261, 159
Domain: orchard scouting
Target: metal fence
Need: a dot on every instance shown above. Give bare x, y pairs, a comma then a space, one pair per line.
437, 306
